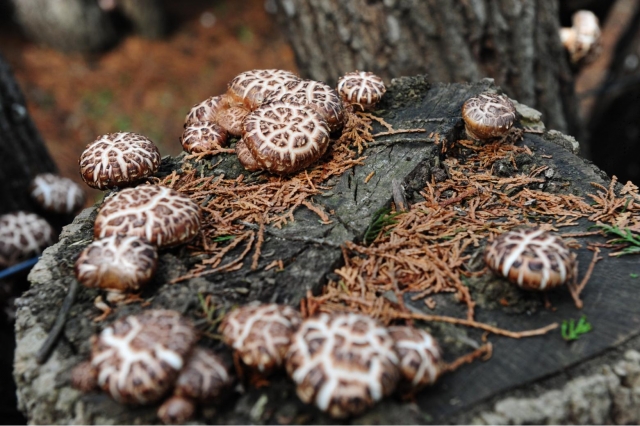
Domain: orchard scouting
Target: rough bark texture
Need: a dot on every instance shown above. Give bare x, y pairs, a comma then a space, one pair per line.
311, 251
67, 25
516, 43
22, 151
83, 26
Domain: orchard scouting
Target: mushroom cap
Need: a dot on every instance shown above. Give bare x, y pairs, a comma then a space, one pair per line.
251, 88
583, 40
419, 354
204, 377
245, 156
531, 258
176, 410
22, 235
162, 215
344, 363
362, 88
206, 110
203, 136
117, 263
488, 115
232, 118
319, 96
139, 356
260, 334
118, 159
57, 194
285, 137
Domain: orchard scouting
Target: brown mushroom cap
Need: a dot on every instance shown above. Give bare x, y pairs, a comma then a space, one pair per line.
285, 137
22, 235
57, 194
361, 88
251, 88
260, 334
206, 110
344, 363
138, 357
204, 377
488, 115
245, 156
531, 258
232, 118
203, 136
117, 263
419, 354
162, 215
118, 159
319, 96
176, 410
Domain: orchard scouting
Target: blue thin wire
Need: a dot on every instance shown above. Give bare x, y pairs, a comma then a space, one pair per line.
19, 267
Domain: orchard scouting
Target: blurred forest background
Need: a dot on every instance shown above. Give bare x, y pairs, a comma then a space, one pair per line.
120, 69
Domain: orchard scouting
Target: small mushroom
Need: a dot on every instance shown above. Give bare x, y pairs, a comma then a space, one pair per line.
531, 258
137, 359
203, 379
488, 115
22, 235
162, 215
285, 137
117, 263
232, 118
419, 354
203, 136
319, 96
260, 334
361, 88
245, 157
118, 159
344, 363
57, 194
205, 110
251, 88
583, 40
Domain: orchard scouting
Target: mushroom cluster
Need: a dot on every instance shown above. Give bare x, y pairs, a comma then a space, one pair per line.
531, 258
283, 122
341, 362
139, 358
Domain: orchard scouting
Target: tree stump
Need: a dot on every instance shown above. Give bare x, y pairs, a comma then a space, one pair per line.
310, 252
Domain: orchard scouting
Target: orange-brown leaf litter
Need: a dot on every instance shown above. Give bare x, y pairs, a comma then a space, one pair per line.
144, 86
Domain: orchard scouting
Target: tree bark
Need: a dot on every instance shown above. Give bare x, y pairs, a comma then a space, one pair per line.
23, 153
147, 16
516, 43
66, 25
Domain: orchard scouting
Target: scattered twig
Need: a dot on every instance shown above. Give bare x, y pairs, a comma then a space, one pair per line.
54, 334
485, 352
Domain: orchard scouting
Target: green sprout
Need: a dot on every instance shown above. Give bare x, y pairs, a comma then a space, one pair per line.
381, 219
223, 238
626, 237
212, 316
572, 331
632, 275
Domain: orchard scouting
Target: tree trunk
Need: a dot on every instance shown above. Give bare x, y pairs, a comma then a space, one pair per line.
22, 151
147, 16
614, 128
67, 25
516, 43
